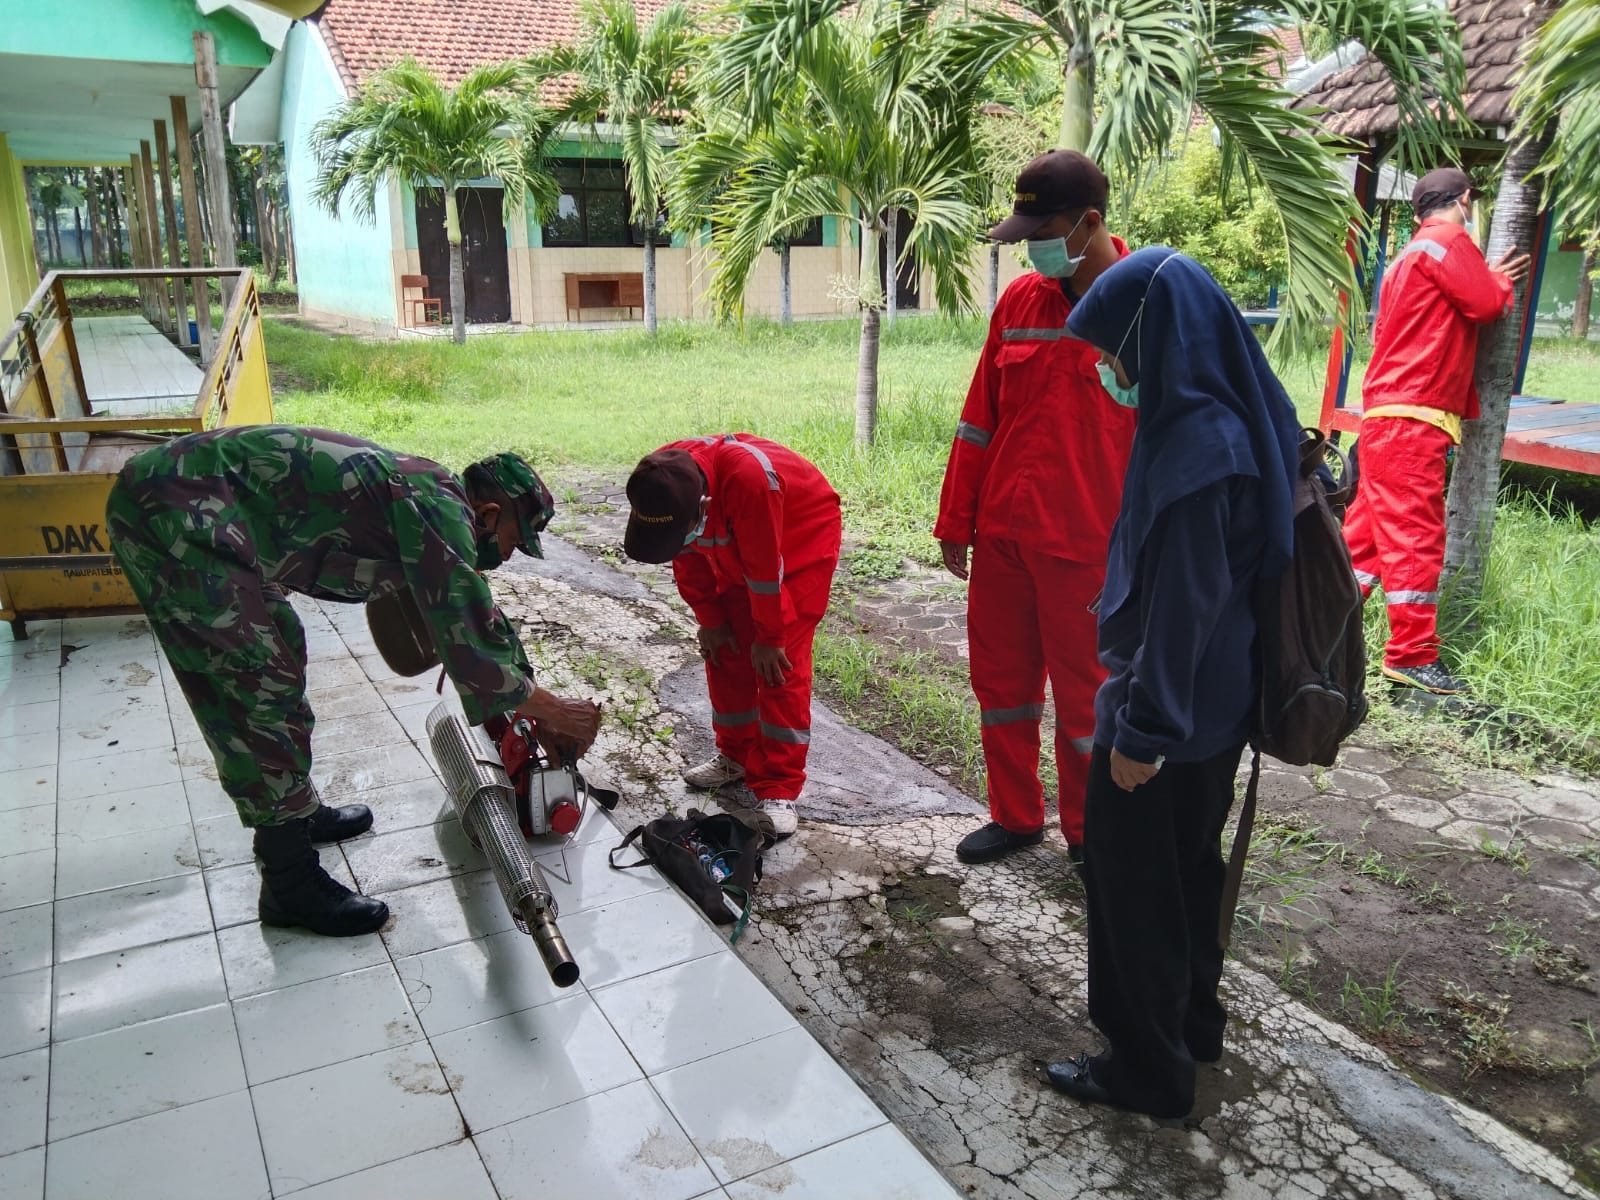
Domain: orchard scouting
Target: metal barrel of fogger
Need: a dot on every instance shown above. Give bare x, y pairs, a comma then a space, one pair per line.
485, 802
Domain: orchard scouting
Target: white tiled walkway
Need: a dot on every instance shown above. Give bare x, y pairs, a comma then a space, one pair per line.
129, 367
155, 1041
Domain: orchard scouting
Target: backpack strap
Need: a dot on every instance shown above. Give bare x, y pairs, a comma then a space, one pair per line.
1241, 847
644, 861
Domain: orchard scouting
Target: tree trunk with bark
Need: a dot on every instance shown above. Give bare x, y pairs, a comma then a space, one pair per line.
77, 224
867, 363
1475, 481
458, 273
785, 286
994, 278
1077, 106
1585, 300
650, 280
97, 242
116, 222
891, 266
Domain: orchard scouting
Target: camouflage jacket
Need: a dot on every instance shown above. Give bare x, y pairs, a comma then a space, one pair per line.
335, 517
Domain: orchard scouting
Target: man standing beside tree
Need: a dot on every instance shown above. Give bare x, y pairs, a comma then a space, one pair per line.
1032, 489
1419, 388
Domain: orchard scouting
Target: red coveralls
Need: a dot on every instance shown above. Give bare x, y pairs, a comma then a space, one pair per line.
1033, 484
764, 564
1418, 389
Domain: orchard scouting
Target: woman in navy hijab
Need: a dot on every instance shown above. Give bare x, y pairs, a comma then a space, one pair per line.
1205, 512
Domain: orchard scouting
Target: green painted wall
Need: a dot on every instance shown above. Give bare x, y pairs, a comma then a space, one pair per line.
1559, 288
19, 272
147, 31
345, 265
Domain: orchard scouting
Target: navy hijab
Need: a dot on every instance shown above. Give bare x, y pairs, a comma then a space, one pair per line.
1209, 405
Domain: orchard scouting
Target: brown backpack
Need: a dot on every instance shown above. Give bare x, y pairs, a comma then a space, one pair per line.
1312, 645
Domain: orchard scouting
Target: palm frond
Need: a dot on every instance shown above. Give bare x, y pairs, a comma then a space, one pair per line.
1562, 84
405, 124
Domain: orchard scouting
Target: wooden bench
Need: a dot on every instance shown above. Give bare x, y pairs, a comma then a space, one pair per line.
624, 289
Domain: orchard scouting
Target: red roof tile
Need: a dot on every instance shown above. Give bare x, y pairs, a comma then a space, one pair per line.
1360, 100
449, 36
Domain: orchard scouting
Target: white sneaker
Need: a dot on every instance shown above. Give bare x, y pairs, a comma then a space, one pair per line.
714, 772
777, 818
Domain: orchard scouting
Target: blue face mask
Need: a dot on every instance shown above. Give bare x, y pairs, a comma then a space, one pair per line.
700, 528
1049, 257
1128, 397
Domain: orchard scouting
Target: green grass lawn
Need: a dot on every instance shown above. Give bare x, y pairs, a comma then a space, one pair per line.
585, 400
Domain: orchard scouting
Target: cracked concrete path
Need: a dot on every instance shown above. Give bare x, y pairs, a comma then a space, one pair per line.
942, 988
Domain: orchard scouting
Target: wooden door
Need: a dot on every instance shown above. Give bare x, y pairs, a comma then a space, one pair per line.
909, 295
485, 265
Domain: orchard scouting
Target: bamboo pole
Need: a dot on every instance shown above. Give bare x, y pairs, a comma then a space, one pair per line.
169, 212
192, 222
205, 74
152, 228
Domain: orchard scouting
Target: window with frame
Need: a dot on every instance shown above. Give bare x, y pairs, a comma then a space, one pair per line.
811, 235
594, 206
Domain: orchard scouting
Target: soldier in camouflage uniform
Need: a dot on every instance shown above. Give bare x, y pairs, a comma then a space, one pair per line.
213, 528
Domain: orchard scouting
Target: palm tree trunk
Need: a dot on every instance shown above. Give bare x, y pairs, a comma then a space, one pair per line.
867, 364
785, 287
650, 280
994, 278
1077, 107
891, 267
1581, 306
1475, 482
458, 274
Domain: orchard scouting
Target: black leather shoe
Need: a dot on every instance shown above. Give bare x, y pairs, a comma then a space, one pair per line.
297, 893
994, 841
1074, 1079
330, 824
1078, 1081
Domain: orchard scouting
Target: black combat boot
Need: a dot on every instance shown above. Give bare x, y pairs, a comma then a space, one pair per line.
297, 892
330, 824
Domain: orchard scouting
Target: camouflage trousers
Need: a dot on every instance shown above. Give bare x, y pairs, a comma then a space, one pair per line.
234, 643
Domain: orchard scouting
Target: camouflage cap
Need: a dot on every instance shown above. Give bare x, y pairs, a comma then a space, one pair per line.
534, 504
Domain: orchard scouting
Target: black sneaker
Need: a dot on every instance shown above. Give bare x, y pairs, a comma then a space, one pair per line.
994, 841
1429, 677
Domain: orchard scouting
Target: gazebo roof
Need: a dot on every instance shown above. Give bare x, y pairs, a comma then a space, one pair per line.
1360, 100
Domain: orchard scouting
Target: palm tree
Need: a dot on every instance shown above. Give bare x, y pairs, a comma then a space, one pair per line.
1145, 65
817, 112
1561, 84
405, 123
631, 77
1563, 80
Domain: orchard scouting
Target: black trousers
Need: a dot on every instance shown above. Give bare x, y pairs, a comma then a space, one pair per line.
1153, 873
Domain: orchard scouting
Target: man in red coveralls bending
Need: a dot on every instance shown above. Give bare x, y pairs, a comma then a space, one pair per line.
1032, 487
752, 531
1418, 390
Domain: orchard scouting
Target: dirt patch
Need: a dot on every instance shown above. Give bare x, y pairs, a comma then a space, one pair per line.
1459, 961
1454, 960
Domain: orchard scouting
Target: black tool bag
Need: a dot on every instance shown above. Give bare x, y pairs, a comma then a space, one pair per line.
693, 852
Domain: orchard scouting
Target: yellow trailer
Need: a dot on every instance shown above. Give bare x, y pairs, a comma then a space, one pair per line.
61, 446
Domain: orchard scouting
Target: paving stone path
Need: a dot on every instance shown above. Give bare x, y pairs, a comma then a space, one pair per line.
942, 988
